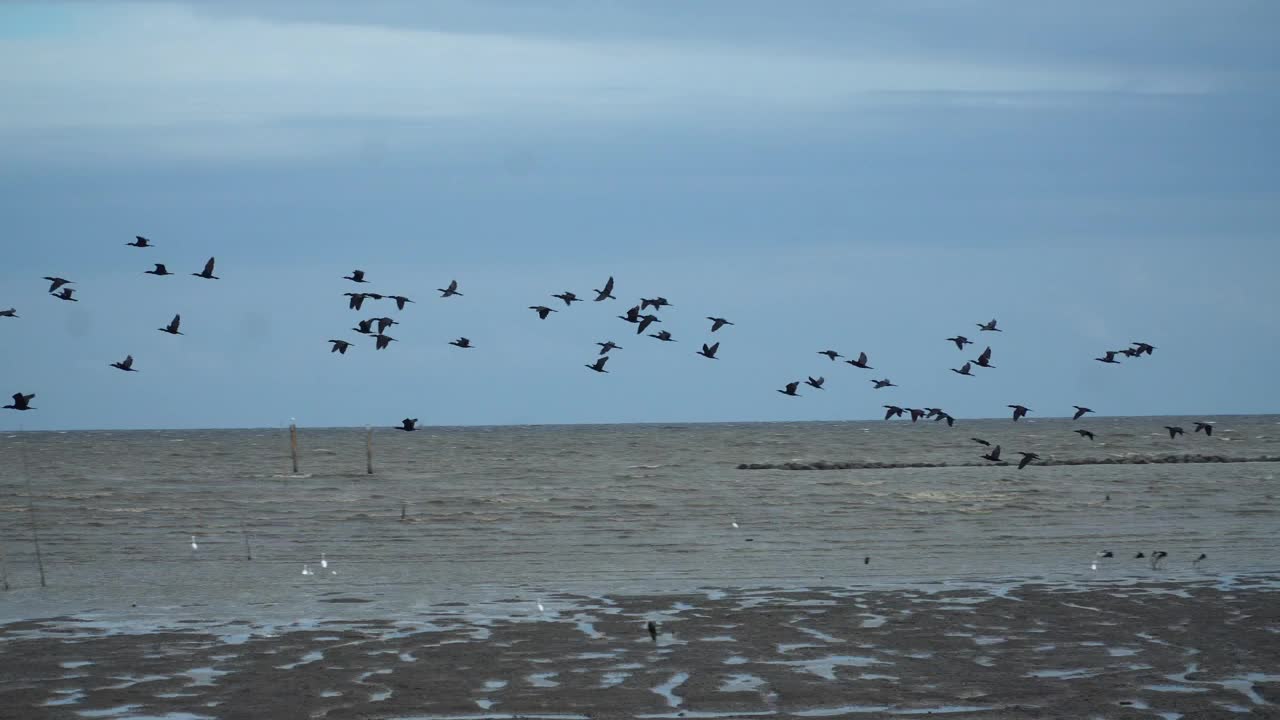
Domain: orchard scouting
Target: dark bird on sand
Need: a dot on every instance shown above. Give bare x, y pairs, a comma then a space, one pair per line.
984, 360
1080, 411
1026, 459
598, 365
662, 335
1104, 554
462, 342
1139, 556
1174, 431
980, 441
709, 351
451, 290
57, 282
1109, 357
645, 321
542, 310
355, 276
382, 341
339, 346
1144, 347
11, 312
357, 299
653, 630
364, 327
1206, 428
66, 294
882, 384
160, 270
963, 370
605, 293
139, 241
400, 301
989, 327
1019, 411
791, 389
815, 382
892, 410
126, 364
831, 354
384, 323
408, 424
207, 272
568, 297
656, 303
960, 341
717, 323
861, 362
994, 455
1084, 434
172, 327
21, 402
607, 346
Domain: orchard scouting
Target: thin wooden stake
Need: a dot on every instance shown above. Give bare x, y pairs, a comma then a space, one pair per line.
403, 507
248, 553
368, 451
4, 569
293, 446
31, 511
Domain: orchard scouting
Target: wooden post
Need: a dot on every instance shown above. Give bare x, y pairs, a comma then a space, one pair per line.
248, 554
31, 511
4, 569
293, 445
368, 450
404, 506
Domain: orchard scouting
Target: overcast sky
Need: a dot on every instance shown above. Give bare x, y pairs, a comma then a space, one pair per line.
861, 176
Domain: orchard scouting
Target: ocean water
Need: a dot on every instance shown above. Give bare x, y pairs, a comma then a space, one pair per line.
530, 511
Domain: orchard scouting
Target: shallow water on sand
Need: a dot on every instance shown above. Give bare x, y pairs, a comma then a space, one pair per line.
491, 512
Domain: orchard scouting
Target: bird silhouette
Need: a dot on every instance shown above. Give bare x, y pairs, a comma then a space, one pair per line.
882, 384
1174, 431
791, 389
126, 364
451, 290
408, 424
1130, 352
364, 327
717, 323
916, 413
1144, 347
989, 327
861, 362
139, 241
709, 351
653, 630
951, 421
65, 294
1109, 357
605, 293
656, 303
172, 327
598, 365
1196, 563
1084, 434
355, 276
384, 323
373, 296
1080, 411
357, 300
1157, 558
11, 312
1204, 427
980, 441
1027, 457
960, 341
993, 455
542, 310
1019, 411
160, 270
892, 410
984, 360
207, 272
1139, 556
645, 321
21, 402
964, 370
815, 383
568, 297
57, 282
462, 342
662, 335
632, 315
340, 347
605, 347
400, 301
381, 342
831, 354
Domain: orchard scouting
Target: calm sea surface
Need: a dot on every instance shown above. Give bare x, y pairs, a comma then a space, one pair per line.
521, 511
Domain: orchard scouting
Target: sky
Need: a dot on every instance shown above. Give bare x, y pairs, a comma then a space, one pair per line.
863, 176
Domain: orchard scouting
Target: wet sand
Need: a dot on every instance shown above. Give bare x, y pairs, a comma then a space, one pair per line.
1117, 649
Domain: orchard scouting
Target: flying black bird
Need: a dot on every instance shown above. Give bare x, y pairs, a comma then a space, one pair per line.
882, 384
598, 365
607, 346
606, 293
207, 272
960, 341
172, 327
1104, 554
451, 290
384, 323
1019, 411
815, 383
568, 297
1131, 352
951, 421
126, 364
462, 342
632, 316
160, 270
357, 299
892, 410
994, 455
989, 327
984, 360
57, 282
408, 424
861, 362
382, 341
139, 241
980, 441
400, 301
791, 389
373, 296
21, 402
709, 351
1026, 459
963, 370
663, 335
1144, 347
653, 630
916, 414
1084, 434
66, 294
11, 312
1080, 411
1174, 431
832, 354
1204, 427
339, 346
542, 310
364, 327
717, 323
355, 276
645, 321
656, 303
1110, 357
